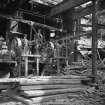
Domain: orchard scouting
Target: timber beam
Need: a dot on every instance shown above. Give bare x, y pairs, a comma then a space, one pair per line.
64, 6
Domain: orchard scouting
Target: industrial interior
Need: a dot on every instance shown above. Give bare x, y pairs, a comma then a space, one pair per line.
55, 42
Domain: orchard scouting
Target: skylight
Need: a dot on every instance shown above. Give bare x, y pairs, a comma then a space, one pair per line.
83, 5
48, 2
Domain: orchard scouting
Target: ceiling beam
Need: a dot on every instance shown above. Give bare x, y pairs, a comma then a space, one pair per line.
84, 12
64, 6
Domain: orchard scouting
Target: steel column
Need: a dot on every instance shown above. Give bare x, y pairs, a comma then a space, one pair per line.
94, 39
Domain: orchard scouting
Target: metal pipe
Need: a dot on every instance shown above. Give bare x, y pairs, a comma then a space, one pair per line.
75, 37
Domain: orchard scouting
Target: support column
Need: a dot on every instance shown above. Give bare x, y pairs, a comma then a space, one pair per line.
94, 40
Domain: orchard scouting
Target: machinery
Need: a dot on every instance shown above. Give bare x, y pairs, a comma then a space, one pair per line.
29, 54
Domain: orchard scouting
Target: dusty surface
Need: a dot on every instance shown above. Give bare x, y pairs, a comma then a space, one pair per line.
7, 101
91, 97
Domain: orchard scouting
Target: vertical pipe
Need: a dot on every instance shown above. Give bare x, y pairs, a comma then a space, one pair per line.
58, 66
26, 65
26, 55
94, 40
67, 49
31, 33
37, 65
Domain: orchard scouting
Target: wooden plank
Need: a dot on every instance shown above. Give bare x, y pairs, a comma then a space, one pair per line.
36, 93
30, 82
36, 82
13, 95
26, 81
60, 77
16, 80
43, 78
55, 103
45, 99
47, 87
60, 8
41, 81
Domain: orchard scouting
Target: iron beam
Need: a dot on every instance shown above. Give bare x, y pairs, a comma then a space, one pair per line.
94, 39
64, 6
84, 12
